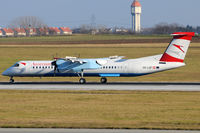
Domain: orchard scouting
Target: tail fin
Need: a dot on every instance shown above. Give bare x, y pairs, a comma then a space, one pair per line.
178, 47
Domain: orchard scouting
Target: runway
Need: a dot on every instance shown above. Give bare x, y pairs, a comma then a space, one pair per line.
17, 130
137, 86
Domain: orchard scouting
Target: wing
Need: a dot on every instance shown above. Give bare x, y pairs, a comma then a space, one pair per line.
66, 64
75, 60
74, 64
116, 57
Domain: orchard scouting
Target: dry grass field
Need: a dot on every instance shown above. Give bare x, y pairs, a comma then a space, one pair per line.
100, 109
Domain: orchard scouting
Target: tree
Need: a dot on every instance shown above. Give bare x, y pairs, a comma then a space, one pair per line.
198, 29
165, 28
85, 28
27, 22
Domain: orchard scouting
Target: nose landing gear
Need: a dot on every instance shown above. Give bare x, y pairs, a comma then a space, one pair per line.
12, 80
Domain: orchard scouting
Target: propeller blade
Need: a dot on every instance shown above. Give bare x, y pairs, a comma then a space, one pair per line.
55, 67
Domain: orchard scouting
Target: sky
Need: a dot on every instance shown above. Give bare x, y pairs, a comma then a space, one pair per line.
110, 13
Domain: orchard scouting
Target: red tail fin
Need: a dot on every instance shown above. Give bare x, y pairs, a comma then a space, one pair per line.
178, 47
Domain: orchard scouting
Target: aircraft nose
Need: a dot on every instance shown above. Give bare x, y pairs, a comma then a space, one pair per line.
6, 73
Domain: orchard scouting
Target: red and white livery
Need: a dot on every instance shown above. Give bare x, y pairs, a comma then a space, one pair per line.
177, 49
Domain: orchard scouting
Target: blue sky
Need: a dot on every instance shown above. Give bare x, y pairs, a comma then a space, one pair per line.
110, 13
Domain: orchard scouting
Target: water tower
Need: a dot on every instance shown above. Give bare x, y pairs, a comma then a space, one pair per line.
136, 11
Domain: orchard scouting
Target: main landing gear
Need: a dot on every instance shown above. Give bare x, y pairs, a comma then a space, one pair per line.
103, 80
82, 80
12, 80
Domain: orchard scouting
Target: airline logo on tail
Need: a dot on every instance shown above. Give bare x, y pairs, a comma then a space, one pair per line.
178, 47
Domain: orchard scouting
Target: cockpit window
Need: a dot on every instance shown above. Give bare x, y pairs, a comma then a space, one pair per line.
16, 65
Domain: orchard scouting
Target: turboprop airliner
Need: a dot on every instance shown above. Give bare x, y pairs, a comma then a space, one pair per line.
113, 66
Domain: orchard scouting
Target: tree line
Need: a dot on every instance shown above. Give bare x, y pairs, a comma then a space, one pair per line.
161, 28
165, 28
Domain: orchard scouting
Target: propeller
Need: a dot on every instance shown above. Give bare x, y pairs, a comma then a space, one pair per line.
54, 63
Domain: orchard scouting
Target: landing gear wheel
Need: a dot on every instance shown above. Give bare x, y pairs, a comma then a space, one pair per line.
82, 81
103, 80
12, 80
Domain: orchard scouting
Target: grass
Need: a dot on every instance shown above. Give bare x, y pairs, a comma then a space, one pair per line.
13, 53
100, 109
77, 37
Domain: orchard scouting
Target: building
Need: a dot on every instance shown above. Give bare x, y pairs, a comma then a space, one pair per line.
1, 33
65, 31
54, 31
43, 31
8, 32
136, 11
19, 32
31, 31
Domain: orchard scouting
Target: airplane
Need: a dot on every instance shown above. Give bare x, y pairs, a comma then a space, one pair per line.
113, 66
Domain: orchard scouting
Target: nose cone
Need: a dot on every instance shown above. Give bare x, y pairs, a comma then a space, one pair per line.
6, 73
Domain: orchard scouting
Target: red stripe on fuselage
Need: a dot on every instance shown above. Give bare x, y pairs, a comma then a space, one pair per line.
168, 58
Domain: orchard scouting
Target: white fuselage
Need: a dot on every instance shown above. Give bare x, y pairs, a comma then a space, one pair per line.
112, 68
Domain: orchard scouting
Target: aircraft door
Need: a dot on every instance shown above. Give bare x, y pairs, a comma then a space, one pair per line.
129, 68
126, 68
23, 67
